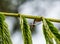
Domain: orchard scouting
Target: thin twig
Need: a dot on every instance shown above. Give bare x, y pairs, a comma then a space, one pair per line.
29, 16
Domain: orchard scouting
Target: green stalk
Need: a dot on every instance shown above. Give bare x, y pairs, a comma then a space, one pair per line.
29, 16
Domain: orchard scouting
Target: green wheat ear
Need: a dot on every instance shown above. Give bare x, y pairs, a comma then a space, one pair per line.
25, 31
50, 32
4, 32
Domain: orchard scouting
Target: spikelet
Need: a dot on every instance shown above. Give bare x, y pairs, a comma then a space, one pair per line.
50, 32
4, 32
25, 31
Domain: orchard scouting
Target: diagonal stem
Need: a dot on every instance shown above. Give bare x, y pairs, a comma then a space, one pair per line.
29, 16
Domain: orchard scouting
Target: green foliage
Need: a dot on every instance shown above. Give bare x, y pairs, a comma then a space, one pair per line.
50, 32
25, 31
4, 32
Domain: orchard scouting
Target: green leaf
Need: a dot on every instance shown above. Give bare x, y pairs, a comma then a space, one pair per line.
26, 32
54, 30
47, 33
50, 32
4, 32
